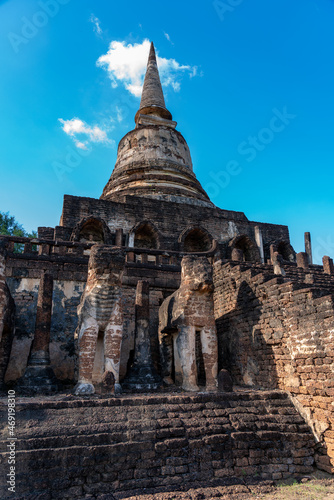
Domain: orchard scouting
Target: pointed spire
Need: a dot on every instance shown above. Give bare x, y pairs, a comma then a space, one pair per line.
152, 100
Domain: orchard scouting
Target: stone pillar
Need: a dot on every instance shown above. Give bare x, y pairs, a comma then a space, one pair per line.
308, 247
328, 265
142, 315
259, 242
131, 242
119, 237
27, 248
237, 255
142, 375
273, 250
39, 376
40, 344
303, 260
43, 249
130, 257
277, 262
143, 258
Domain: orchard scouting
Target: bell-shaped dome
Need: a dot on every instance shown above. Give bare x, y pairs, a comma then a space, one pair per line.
154, 160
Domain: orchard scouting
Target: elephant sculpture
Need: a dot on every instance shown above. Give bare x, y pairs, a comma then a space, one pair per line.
186, 318
100, 310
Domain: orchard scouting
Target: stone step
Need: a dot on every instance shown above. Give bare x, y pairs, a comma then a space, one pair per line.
68, 447
117, 419
159, 430
293, 273
65, 423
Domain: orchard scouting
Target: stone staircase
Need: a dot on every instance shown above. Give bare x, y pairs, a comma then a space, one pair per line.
82, 448
314, 277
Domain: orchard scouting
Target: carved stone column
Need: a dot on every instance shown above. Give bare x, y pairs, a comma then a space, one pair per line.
39, 377
308, 247
259, 241
142, 375
277, 262
119, 237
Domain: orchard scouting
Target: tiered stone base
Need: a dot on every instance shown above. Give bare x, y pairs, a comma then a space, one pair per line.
142, 378
38, 378
69, 447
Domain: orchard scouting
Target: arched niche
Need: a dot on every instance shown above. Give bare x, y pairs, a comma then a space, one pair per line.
145, 235
92, 229
248, 249
286, 251
195, 239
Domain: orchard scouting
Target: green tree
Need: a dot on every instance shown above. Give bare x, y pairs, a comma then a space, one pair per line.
10, 227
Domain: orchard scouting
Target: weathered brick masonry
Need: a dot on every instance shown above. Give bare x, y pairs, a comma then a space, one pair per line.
272, 309
277, 332
170, 219
70, 275
158, 442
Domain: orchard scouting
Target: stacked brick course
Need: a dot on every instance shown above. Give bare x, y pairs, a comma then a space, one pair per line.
157, 442
274, 332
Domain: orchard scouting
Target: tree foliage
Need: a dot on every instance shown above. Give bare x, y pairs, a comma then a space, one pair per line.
10, 227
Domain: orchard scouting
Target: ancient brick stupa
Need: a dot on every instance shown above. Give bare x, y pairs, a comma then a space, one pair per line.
154, 160
157, 289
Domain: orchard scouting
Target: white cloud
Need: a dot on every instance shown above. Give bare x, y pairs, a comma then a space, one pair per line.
127, 64
80, 145
96, 22
195, 72
119, 114
168, 37
76, 127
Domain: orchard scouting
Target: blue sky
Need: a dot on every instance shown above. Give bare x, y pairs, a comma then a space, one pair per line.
230, 69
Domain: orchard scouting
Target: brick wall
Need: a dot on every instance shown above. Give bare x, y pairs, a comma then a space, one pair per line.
277, 333
138, 444
23, 273
171, 219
